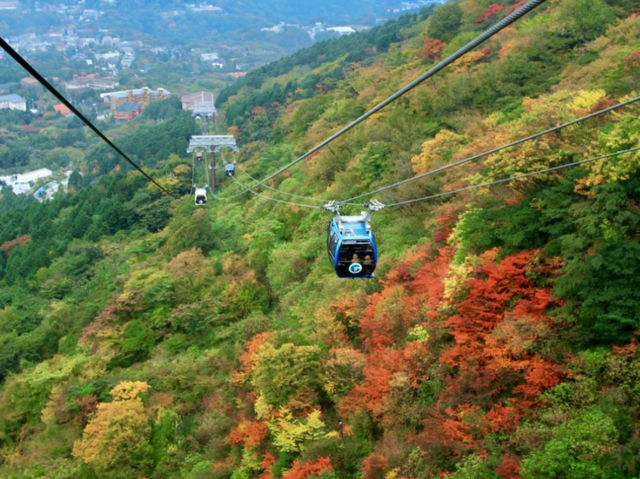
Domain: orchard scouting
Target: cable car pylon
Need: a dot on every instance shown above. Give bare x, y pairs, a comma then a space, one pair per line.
212, 144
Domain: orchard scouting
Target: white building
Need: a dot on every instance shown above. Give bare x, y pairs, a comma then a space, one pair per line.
9, 5
112, 55
342, 30
13, 102
204, 8
209, 57
22, 183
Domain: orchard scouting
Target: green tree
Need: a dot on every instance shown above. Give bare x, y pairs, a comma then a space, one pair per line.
193, 232
136, 345
586, 19
75, 181
604, 287
578, 449
445, 21
279, 373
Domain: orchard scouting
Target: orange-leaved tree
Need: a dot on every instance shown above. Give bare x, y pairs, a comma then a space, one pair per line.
317, 468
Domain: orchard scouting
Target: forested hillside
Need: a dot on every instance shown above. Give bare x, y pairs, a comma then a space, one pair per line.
144, 337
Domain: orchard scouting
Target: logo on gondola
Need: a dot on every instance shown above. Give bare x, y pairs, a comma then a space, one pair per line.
355, 268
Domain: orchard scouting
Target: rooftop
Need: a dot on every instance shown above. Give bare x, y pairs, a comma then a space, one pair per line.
21, 182
62, 109
200, 97
12, 98
128, 107
135, 91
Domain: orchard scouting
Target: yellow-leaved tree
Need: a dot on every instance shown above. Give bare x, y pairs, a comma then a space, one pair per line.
116, 441
437, 151
290, 433
623, 134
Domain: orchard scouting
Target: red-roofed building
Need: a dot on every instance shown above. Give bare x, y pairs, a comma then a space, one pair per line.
62, 109
29, 81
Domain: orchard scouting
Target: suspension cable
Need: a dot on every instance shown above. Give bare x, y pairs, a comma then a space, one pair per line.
506, 21
235, 195
24, 64
193, 171
513, 178
293, 195
277, 200
497, 149
207, 174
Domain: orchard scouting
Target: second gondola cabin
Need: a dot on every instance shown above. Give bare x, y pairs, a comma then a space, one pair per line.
229, 169
351, 245
200, 196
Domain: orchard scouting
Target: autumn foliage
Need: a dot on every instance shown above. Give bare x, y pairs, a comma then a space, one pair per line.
7, 246
308, 468
491, 11
249, 433
373, 467
509, 468
432, 49
497, 378
118, 429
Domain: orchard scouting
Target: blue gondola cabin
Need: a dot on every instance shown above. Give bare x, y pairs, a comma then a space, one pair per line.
229, 169
352, 248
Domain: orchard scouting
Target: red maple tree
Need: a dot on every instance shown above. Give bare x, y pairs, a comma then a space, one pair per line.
306, 469
432, 49
491, 11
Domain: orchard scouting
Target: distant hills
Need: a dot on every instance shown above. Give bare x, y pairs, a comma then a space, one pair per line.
177, 22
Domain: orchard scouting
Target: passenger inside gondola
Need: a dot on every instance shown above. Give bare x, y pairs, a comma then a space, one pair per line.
349, 255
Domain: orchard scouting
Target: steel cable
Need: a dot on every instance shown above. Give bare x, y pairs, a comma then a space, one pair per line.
505, 22
512, 178
495, 150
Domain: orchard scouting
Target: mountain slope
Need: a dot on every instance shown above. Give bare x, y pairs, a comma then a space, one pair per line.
499, 340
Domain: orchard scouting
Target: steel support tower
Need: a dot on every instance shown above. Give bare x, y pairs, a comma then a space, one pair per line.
213, 144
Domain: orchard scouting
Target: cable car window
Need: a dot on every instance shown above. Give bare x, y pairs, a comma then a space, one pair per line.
352, 252
333, 242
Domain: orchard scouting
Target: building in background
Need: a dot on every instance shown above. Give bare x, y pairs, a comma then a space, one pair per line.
201, 103
22, 183
13, 102
62, 109
9, 5
144, 95
127, 111
92, 81
29, 81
